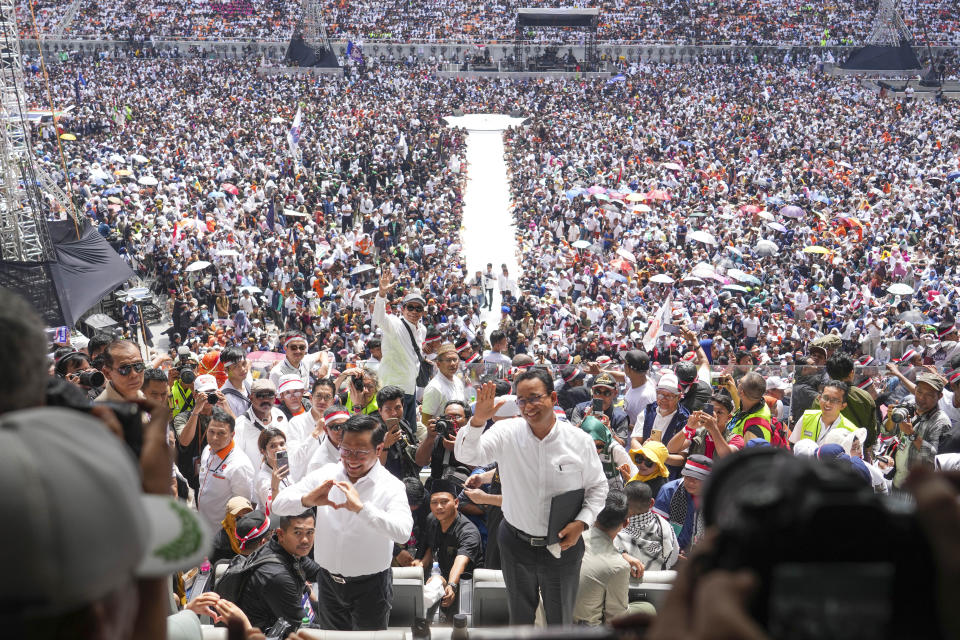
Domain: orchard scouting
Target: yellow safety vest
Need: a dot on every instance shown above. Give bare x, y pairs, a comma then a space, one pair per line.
810, 424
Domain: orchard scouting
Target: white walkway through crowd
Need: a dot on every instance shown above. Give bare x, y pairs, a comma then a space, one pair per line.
488, 229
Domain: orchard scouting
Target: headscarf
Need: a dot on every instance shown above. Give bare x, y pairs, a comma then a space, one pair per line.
599, 432
236, 507
656, 451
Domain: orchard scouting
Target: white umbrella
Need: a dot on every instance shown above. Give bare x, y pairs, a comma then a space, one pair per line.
228, 252
692, 280
701, 236
363, 268
767, 248
580, 244
641, 208
672, 166
295, 213
197, 266
277, 120
251, 289
115, 157
900, 289
626, 254
662, 278
737, 274
148, 181
766, 215
139, 158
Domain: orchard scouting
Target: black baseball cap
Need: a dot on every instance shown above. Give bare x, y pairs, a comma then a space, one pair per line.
637, 360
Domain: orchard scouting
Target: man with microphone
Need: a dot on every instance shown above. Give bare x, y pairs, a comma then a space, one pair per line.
539, 458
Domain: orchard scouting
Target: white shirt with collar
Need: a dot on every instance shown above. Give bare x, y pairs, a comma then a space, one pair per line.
399, 364
323, 454
220, 480
354, 544
248, 430
533, 471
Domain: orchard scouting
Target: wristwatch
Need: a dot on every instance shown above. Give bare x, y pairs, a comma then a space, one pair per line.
912, 436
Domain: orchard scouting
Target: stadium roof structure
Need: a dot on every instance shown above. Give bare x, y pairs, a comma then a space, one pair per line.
562, 17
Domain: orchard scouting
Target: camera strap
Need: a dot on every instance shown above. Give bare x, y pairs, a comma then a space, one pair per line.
413, 341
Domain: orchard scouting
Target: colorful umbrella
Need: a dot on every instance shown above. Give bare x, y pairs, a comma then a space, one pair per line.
792, 211
816, 249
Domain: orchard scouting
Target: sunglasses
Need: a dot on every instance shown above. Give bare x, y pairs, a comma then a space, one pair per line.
603, 393
297, 347
415, 308
263, 395
641, 460
125, 369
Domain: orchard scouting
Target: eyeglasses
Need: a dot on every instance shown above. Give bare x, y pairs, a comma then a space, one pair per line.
355, 453
263, 395
335, 427
828, 400
414, 307
522, 402
455, 418
603, 393
322, 397
297, 347
125, 369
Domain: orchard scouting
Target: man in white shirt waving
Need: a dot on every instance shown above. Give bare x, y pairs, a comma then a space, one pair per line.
355, 588
539, 457
401, 344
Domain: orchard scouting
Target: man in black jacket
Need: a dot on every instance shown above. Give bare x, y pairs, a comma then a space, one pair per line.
275, 589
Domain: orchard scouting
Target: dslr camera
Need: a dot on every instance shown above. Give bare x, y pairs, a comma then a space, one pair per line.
444, 427
833, 559
902, 412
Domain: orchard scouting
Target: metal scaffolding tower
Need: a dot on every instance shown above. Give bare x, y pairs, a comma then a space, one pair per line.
313, 29
888, 28
23, 230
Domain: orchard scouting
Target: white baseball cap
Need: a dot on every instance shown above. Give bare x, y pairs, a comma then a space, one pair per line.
205, 383
83, 527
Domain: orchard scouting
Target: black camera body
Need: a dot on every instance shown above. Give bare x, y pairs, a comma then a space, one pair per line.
212, 397
91, 378
358, 383
834, 559
444, 428
903, 412
187, 373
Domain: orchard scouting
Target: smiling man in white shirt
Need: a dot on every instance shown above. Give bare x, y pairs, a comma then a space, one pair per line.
539, 457
355, 537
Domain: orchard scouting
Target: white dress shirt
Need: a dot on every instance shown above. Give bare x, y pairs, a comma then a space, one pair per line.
533, 471
220, 480
322, 455
354, 544
249, 428
399, 364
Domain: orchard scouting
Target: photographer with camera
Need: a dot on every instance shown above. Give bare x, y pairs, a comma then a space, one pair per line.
191, 427
361, 390
918, 426
445, 386
437, 448
182, 378
75, 367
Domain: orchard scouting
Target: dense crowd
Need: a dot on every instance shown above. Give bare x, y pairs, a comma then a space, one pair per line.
709, 265
642, 21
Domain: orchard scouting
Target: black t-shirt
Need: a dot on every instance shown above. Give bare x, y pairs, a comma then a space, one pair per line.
461, 539
444, 465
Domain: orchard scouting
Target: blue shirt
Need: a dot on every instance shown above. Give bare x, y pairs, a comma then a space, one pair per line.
662, 507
